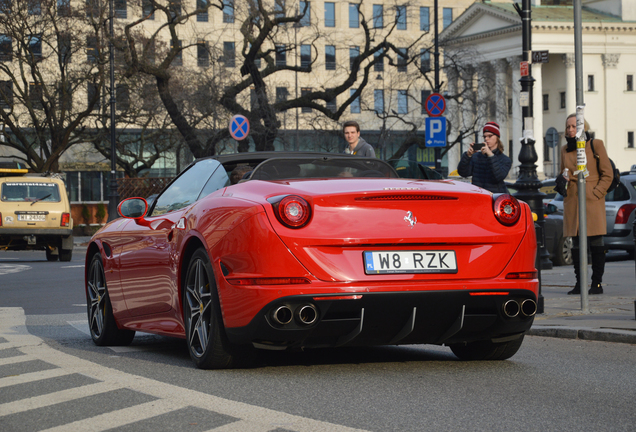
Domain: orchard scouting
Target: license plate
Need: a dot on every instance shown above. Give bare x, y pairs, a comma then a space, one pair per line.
32, 217
424, 261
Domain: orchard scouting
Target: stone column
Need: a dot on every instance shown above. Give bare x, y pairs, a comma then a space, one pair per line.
537, 99
484, 95
570, 83
517, 120
501, 85
610, 134
468, 106
452, 114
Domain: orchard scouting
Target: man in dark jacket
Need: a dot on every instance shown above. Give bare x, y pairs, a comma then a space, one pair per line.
488, 165
357, 146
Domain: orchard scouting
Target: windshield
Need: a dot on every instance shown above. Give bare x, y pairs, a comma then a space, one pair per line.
323, 167
30, 192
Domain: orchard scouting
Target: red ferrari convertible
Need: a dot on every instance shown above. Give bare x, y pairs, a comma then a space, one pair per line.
311, 251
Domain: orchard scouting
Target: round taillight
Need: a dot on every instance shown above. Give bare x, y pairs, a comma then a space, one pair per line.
507, 209
293, 211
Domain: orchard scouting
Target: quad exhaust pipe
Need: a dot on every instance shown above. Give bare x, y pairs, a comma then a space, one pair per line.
527, 307
305, 314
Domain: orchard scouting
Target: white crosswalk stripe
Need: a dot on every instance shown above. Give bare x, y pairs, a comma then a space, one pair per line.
169, 398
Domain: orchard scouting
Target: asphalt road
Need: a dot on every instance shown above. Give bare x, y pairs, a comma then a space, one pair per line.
68, 383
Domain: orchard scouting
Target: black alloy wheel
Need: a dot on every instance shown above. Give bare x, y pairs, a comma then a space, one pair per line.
207, 343
101, 321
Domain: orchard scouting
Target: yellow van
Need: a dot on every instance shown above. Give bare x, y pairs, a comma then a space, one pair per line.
35, 214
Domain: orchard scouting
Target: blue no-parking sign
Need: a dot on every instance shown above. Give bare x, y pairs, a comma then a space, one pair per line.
239, 127
435, 105
435, 132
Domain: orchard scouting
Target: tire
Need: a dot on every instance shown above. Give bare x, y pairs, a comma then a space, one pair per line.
487, 350
563, 251
101, 321
205, 336
50, 256
66, 255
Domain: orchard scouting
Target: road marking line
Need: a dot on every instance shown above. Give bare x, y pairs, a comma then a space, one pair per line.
12, 328
122, 417
56, 398
32, 376
13, 268
75, 266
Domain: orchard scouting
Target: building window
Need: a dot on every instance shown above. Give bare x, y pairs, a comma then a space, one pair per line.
378, 101
121, 9
35, 7
425, 60
630, 139
281, 55
425, 94
400, 17
304, 92
228, 11
354, 53
330, 14
403, 102
63, 8
378, 66
35, 95
355, 105
354, 15
279, 8
401, 61
65, 97
332, 106
6, 94
562, 98
330, 57
93, 93
305, 21
546, 102
64, 48
229, 54
89, 186
202, 5
590, 83
122, 95
175, 8
203, 55
281, 94
178, 58
509, 106
378, 16
35, 47
629, 83
148, 9
305, 56
447, 14
254, 105
6, 48
424, 19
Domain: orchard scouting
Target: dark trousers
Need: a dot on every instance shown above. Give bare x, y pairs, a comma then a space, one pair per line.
597, 250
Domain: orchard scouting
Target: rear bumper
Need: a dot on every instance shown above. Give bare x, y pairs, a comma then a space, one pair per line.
389, 318
16, 238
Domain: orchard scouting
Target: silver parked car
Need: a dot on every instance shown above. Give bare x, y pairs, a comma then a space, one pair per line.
619, 213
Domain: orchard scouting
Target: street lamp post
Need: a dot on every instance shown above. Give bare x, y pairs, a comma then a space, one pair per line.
528, 183
113, 197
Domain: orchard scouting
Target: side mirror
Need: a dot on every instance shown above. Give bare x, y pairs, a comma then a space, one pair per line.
133, 208
550, 208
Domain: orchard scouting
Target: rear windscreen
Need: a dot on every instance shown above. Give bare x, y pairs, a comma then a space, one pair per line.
30, 192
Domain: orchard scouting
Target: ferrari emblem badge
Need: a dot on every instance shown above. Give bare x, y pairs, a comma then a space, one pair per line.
410, 219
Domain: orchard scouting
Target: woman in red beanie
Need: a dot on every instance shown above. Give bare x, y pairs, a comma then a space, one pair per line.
489, 165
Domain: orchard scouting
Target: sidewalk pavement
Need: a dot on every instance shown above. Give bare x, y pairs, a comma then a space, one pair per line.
611, 316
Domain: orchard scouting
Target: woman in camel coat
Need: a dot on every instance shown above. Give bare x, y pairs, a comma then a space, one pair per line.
596, 185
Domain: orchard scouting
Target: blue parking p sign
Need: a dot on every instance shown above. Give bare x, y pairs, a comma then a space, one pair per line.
435, 132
